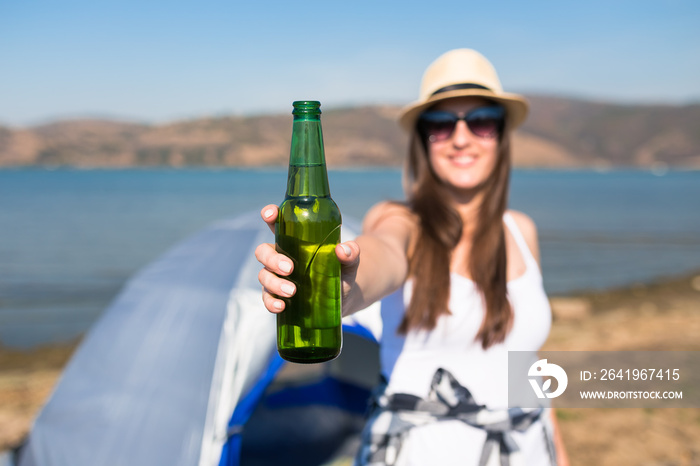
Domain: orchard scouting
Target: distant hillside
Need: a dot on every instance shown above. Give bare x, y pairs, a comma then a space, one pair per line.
560, 132
618, 135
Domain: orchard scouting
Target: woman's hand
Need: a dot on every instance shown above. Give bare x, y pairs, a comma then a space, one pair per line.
562, 456
276, 266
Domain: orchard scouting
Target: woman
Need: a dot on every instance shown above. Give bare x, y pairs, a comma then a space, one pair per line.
459, 280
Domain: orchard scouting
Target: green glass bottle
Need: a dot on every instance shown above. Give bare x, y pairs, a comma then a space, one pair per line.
307, 231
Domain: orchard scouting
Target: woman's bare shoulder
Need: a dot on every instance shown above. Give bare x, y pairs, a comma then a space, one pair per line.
528, 229
523, 221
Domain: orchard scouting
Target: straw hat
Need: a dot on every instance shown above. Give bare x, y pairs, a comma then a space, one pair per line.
462, 72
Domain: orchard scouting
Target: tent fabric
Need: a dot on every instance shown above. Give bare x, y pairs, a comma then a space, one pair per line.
313, 418
178, 362
231, 454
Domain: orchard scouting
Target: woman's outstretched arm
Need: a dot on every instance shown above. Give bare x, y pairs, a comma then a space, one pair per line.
373, 265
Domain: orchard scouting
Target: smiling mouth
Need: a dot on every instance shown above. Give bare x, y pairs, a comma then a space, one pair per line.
462, 160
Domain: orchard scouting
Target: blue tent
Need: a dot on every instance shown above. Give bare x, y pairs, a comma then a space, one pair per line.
181, 369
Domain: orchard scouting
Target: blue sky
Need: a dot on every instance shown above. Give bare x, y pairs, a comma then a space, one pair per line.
155, 61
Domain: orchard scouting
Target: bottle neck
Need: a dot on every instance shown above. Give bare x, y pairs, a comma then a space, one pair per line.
307, 163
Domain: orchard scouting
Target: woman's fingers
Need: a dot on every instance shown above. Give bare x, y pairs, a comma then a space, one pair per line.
276, 285
349, 256
272, 303
276, 265
348, 253
269, 215
275, 288
272, 260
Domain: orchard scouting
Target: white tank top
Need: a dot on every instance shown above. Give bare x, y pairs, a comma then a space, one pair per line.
408, 362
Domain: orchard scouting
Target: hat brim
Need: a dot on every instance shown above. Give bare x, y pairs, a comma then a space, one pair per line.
516, 106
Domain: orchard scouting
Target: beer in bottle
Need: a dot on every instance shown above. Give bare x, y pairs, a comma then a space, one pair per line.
307, 231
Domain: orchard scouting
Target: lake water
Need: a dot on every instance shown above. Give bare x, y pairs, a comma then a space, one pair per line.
69, 239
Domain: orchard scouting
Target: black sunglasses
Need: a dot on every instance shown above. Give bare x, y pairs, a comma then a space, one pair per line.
484, 122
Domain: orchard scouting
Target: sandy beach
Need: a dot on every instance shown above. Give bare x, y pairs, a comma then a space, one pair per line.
661, 316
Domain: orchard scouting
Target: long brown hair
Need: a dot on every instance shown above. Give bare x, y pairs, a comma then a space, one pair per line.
440, 231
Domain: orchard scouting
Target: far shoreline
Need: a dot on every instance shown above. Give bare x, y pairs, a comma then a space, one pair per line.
602, 169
